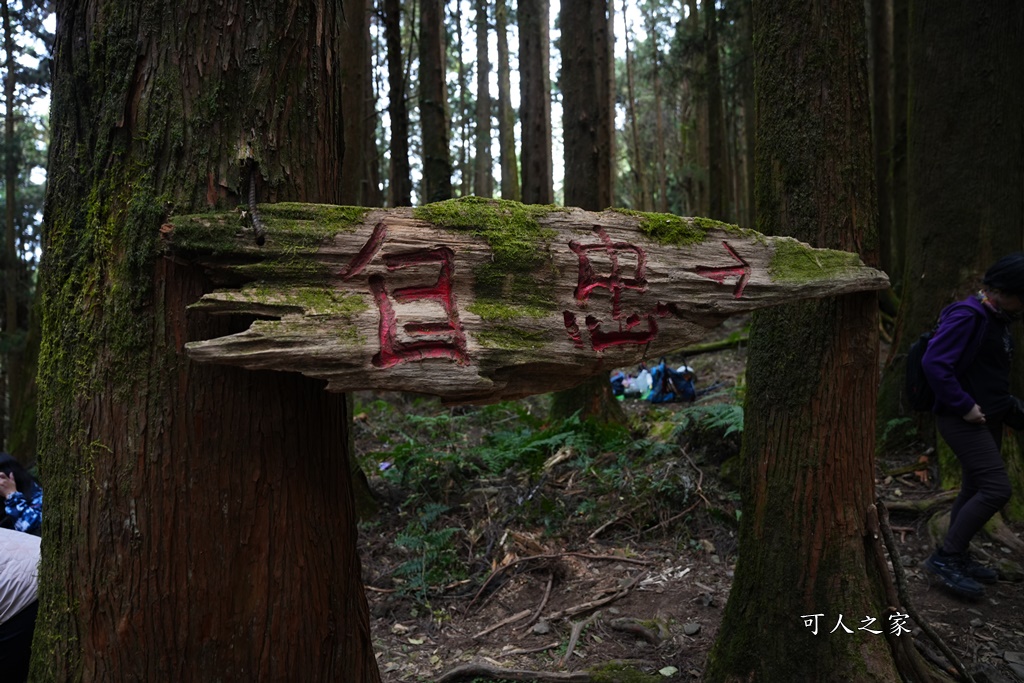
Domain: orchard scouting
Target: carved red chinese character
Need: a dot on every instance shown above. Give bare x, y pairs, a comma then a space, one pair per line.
447, 339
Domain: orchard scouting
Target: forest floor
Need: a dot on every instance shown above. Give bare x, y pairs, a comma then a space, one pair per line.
504, 543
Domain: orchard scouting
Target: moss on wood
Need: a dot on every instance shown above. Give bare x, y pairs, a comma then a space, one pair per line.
519, 244
794, 261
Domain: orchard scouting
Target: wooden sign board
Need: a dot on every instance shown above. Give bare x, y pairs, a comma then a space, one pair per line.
480, 300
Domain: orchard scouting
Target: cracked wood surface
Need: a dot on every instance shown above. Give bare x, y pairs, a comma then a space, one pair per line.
392, 301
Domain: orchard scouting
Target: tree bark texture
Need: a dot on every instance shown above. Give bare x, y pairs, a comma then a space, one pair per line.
355, 91
881, 119
965, 145
716, 116
199, 520
506, 117
434, 120
898, 170
535, 102
587, 115
499, 298
483, 183
747, 88
808, 444
400, 177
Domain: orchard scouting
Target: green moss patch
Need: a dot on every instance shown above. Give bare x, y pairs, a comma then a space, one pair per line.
794, 261
666, 228
510, 338
497, 311
519, 245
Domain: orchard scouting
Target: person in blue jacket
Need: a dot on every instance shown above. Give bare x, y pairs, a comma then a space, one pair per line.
23, 497
967, 364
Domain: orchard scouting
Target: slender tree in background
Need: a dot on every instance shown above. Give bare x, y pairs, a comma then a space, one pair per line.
587, 116
199, 520
641, 190
881, 123
716, 122
483, 183
399, 175
747, 85
355, 86
506, 116
587, 130
806, 535
434, 120
25, 78
965, 142
659, 122
535, 101
898, 170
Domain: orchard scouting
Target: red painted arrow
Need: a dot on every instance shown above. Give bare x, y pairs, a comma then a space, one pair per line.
719, 275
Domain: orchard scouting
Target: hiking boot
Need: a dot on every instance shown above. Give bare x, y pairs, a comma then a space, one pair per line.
952, 570
978, 571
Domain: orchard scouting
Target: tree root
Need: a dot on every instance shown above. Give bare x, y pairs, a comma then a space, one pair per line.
481, 670
904, 594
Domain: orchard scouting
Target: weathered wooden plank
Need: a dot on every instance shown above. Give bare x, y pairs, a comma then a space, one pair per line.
479, 300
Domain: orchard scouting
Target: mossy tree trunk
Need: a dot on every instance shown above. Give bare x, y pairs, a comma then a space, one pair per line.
199, 519
808, 447
965, 140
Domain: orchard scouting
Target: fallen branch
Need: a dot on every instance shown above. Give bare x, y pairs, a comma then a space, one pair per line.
594, 604
730, 342
921, 504
550, 556
543, 602
665, 522
908, 662
904, 594
505, 622
531, 650
480, 670
635, 628
574, 637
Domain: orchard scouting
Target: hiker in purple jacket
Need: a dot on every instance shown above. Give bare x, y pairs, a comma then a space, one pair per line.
968, 367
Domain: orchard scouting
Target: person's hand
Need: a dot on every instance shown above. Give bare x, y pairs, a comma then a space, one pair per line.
7, 484
975, 416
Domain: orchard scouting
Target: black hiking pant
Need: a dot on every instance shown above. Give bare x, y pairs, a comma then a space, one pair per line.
16, 644
986, 486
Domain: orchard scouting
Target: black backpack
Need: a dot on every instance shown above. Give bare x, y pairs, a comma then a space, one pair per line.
919, 393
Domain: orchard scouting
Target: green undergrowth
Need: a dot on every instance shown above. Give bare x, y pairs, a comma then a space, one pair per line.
457, 479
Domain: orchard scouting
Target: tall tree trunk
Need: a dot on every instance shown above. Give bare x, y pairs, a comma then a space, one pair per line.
659, 117
535, 101
506, 117
881, 83
10, 256
747, 86
900, 50
586, 115
199, 521
641, 191
400, 178
434, 120
483, 180
587, 121
355, 86
805, 541
699, 140
464, 163
716, 145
